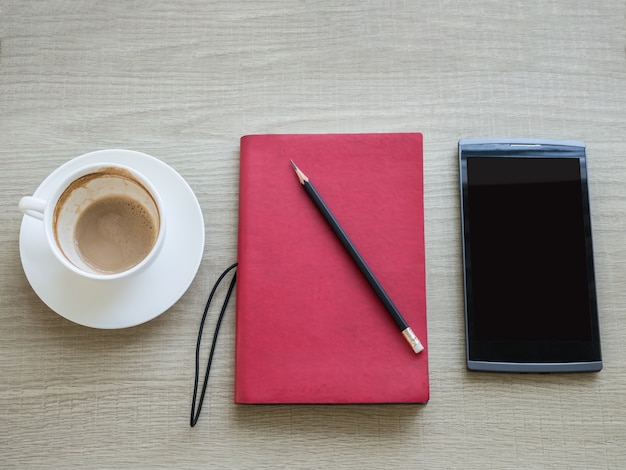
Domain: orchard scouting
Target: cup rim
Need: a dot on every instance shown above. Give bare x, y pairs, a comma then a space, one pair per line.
51, 209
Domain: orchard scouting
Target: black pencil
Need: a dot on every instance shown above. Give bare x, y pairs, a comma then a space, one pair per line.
406, 330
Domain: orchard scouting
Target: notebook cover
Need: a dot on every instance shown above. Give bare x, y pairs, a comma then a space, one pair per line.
309, 328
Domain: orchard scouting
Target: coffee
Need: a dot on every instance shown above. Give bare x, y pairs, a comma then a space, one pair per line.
115, 233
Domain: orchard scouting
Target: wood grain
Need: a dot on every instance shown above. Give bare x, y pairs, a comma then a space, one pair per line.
183, 81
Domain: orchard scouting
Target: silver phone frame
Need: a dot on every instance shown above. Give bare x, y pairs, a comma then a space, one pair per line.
498, 366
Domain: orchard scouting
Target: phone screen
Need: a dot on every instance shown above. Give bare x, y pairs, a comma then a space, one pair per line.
529, 282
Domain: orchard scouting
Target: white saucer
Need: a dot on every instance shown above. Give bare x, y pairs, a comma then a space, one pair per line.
146, 294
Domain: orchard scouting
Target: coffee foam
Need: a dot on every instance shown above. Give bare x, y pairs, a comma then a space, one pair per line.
114, 234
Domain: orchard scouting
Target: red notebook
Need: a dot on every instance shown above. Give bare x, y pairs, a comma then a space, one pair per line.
309, 327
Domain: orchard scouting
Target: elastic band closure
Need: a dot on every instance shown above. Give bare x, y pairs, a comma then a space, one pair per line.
195, 414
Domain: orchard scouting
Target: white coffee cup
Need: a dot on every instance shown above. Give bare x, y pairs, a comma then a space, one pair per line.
102, 221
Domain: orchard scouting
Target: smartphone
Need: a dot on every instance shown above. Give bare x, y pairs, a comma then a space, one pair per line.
529, 284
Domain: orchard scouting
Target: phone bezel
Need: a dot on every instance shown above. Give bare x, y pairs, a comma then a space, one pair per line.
528, 356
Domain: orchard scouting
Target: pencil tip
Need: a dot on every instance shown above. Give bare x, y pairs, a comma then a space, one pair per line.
301, 176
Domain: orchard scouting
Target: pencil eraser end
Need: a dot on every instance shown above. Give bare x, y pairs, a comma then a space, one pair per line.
413, 340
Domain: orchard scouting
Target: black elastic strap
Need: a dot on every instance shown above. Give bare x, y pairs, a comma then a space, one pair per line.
195, 414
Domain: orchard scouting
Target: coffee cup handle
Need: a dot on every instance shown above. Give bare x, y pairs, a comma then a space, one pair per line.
32, 206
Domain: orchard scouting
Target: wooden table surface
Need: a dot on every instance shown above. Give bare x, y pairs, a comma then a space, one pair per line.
183, 81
